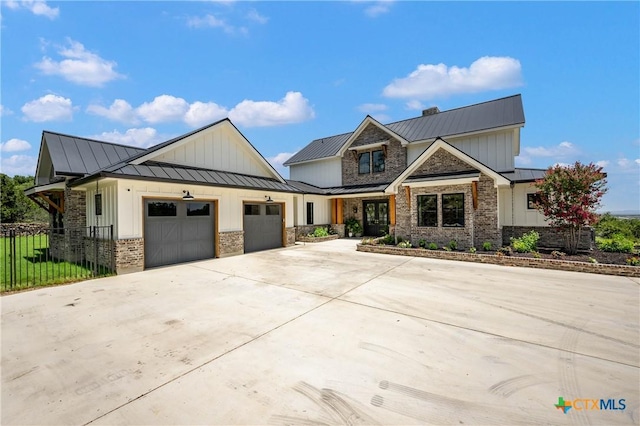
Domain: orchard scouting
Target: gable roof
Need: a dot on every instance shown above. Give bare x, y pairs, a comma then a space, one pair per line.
442, 144
498, 113
76, 156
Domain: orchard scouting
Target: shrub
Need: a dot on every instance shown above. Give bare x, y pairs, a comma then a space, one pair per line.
526, 243
432, 246
504, 251
446, 248
617, 244
404, 244
486, 246
633, 261
557, 254
388, 240
453, 245
422, 243
592, 260
472, 250
536, 255
320, 232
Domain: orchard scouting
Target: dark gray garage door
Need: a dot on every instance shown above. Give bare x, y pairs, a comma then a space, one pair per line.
177, 231
262, 227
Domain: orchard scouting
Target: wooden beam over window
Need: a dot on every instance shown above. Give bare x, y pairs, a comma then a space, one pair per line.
474, 193
59, 208
392, 209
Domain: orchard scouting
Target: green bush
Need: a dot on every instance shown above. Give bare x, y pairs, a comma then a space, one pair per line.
453, 245
526, 243
608, 226
432, 246
320, 232
633, 261
388, 240
616, 244
422, 243
486, 246
472, 250
404, 244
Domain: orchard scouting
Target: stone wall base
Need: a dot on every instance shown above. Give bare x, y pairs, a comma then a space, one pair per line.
291, 236
549, 236
231, 243
129, 255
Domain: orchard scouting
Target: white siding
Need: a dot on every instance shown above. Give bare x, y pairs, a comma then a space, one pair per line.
493, 150
324, 173
230, 211
109, 216
217, 148
518, 203
321, 209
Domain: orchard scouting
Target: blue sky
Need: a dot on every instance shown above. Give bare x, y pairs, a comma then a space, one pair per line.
286, 73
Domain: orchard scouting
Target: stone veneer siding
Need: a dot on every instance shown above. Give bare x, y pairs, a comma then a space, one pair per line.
442, 161
395, 161
291, 236
231, 243
562, 265
485, 221
129, 255
70, 244
105, 251
550, 237
348, 204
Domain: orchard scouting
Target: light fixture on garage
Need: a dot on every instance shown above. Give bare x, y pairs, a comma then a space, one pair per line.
268, 198
187, 196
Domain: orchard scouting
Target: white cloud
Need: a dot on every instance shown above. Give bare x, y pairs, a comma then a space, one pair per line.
277, 160
23, 165
210, 21
163, 108
253, 15
120, 110
564, 150
143, 137
377, 8
627, 164
15, 145
414, 105
369, 108
602, 163
293, 108
4, 111
637, 161
80, 66
48, 108
36, 7
433, 81
201, 113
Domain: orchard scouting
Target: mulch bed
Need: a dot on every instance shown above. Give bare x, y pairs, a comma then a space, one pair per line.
585, 256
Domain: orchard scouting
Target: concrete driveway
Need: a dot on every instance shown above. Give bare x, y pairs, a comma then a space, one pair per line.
322, 334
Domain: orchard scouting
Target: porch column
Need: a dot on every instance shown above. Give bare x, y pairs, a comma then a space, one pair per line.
334, 203
392, 209
339, 211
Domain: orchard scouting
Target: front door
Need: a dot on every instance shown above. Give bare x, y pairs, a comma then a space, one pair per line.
376, 218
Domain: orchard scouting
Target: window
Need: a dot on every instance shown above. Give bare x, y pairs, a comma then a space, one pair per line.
98, 204
251, 209
532, 200
452, 209
378, 161
198, 209
273, 210
160, 208
309, 213
364, 163
427, 210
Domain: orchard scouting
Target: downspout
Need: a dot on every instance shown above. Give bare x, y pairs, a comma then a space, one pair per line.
512, 184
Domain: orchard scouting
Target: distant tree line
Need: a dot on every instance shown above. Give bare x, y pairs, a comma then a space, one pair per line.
15, 206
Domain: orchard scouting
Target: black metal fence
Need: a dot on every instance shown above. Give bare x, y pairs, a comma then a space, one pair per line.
55, 255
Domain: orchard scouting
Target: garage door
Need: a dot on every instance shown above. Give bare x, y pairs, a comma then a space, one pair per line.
262, 227
177, 231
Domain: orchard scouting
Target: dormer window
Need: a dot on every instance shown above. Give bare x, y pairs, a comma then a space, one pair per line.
364, 163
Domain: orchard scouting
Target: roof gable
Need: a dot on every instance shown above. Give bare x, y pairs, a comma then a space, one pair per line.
219, 146
367, 124
433, 149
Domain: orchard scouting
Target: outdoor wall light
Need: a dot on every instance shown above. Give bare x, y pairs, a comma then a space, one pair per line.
187, 196
268, 198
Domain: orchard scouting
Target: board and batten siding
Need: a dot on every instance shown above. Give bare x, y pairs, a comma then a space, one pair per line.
321, 209
230, 203
322, 173
494, 150
217, 149
109, 191
518, 204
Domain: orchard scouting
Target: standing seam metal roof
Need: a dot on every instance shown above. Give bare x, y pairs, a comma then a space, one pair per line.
483, 116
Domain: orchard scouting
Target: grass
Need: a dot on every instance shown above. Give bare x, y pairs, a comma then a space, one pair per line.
34, 266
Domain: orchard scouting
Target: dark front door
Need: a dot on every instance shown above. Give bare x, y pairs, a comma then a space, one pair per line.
376, 218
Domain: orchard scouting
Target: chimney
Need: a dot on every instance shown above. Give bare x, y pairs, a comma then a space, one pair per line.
430, 111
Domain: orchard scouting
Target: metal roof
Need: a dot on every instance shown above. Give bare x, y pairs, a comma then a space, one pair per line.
443, 176
357, 189
524, 175
73, 155
483, 116
306, 188
151, 170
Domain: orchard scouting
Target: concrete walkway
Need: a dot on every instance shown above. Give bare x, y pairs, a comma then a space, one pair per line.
322, 334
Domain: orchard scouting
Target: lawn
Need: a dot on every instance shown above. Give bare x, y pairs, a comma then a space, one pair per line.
34, 265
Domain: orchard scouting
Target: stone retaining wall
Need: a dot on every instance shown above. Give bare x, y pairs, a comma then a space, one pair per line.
318, 239
23, 229
562, 265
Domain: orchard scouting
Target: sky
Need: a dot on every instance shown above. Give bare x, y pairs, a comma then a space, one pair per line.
286, 73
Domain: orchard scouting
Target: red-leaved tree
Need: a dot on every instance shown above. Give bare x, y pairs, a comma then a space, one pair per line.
569, 197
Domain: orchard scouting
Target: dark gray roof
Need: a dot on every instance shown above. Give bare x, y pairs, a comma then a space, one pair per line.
441, 176
524, 175
73, 155
357, 189
483, 116
151, 170
306, 188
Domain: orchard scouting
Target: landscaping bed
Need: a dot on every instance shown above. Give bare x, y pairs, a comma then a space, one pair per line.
312, 239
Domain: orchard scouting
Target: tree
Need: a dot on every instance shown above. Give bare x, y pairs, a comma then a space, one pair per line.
15, 206
569, 197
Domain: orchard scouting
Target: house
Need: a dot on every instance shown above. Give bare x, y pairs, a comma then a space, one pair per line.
442, 176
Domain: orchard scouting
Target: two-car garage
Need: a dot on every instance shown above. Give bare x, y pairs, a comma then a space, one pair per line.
177, 231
